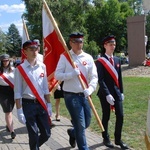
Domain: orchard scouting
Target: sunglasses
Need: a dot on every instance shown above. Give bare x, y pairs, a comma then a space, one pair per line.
73, 41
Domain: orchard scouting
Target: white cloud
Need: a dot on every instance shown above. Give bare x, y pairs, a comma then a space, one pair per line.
17, 23
12, 8
7, 10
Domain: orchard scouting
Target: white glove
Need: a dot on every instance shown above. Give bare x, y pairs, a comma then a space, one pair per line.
87, 92
58, 87
76, 72
110, 99
122, 96
21, 116
72, 74
49, 109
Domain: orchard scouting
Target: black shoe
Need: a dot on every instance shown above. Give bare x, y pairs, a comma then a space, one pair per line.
72, 140
57, 118
7, 129
122, 145
52, 125
108, 143
13, 135
71, 121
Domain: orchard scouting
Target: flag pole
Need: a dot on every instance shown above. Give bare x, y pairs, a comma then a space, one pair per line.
25, 28
66, 48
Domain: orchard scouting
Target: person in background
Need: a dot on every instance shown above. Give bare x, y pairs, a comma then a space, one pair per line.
31, 85
98, 56
58, 94
17, 62
39, 56
6, 91
75, 97
110, 91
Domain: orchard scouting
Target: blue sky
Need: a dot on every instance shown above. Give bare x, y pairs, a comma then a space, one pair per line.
10, 12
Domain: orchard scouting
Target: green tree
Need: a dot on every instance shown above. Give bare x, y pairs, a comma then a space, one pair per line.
95, 18
69, 15
3, 42
33, 15
109, 19
13, 45
136, 5
92, 48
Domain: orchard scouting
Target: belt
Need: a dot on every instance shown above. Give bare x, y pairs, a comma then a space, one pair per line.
79, 94
25, 100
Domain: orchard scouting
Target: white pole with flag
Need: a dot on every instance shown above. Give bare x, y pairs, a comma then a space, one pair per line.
25, 37
53, 48
54, 30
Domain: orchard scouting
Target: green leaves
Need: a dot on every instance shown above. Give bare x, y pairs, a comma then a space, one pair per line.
13, 45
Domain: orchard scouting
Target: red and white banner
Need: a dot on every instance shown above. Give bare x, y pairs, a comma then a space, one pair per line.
25, 37
53, 47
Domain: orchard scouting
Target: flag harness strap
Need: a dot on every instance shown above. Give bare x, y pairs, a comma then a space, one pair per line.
32, 87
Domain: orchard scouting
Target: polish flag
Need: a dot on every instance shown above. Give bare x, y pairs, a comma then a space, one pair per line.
25, 37
53, 46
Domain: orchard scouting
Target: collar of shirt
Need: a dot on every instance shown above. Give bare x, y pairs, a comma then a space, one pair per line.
109, 56
27, 64
72, 53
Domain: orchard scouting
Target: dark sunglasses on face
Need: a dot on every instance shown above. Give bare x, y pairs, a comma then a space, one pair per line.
5, 60
76, 41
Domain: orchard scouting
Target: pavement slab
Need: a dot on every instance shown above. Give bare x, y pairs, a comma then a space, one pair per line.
59, 139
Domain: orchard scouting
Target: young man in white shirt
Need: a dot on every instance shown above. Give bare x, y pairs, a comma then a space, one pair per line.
31, 86
74, 95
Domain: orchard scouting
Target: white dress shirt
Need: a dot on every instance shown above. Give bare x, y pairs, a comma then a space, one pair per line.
86, 65
21, 89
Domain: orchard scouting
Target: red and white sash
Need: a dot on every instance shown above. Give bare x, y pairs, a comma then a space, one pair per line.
7, 79
32, 85
110, 69
82, 76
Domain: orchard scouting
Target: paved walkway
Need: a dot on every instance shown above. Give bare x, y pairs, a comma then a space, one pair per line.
57, 141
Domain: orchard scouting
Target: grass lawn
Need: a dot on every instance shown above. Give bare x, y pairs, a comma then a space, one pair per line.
137, 94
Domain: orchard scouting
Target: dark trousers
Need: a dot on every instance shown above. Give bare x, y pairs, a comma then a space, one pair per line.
37, 124
106, 116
